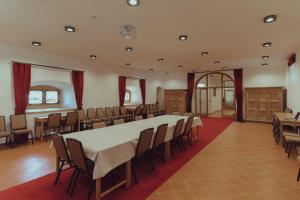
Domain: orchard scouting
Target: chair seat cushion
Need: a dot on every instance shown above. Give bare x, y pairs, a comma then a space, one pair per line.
4, 134
295, 139
96, 120
290, 134
22, 131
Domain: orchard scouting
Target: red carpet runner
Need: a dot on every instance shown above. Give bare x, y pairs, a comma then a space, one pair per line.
43, 188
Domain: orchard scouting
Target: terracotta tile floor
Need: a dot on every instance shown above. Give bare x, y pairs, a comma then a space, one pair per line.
242, 163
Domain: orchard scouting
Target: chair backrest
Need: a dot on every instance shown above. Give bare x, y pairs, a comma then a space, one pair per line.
160, 135
152, 106
60, 147
2, 123
145, 109
80, 115
122, 110
108, 111
99, 124
188, 125
150, 115
138, 117
100, 113
116, 110
119, 121
175, 113
54, 120
157, 107
18, 122
138, 110
178, 128
144, 142
91, 113
190, 114
71, 118
77, 154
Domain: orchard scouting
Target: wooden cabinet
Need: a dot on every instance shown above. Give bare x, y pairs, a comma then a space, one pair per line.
175, 101
261, 103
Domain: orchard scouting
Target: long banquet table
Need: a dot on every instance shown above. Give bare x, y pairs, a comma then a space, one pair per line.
112, 146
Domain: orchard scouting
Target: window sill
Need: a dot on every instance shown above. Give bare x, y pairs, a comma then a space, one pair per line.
46, 110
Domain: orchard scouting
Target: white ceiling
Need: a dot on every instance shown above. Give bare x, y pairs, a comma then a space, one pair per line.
231, 31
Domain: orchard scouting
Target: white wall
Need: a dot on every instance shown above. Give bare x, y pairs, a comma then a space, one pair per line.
293, 84
100, 81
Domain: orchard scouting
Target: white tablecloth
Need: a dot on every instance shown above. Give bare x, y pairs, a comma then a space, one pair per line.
112, 146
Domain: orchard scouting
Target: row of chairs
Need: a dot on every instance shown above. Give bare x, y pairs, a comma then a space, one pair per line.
149, 110
83, 165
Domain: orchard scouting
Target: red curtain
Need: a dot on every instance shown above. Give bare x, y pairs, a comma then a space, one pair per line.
78, 79
122, 89
21, 79
238, 80
143, 90
190, 86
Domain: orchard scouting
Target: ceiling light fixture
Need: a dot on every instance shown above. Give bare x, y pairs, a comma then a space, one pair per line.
35, 43
129, 49
69, 28
133, 3
217, 62
265, 57
167, 73
160, 59
267, 44
205, 53
265, 64
180, 67
224, 68
183, 37
151, 69
93, 56
127, 64
270, 18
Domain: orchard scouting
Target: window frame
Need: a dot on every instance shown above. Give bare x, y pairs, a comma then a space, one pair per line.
44, 98
127, 91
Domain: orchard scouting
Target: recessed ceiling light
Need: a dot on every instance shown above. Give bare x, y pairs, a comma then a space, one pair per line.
69, 28
267, 44
35, 43
270, 18
93, 56
217, 62
151, 69
265, 64
127, 64
167, 73
133, 3
129, 49
224, 67
160, 59
205, 53
266, 57
180, 67
183, 37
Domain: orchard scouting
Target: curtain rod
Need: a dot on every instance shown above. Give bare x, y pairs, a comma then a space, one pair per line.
45, 66
222, 70
133, 77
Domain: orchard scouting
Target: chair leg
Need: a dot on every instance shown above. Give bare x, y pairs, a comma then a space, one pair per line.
59, 171
182, 142
133, 163
31, 138
150, 160
148, 163
91, 190
71, 180
290, 149
298, 175
74, 182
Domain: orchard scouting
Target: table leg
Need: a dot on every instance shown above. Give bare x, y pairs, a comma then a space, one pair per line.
42, 131
128, 173
167, 150
98, 189
57, 164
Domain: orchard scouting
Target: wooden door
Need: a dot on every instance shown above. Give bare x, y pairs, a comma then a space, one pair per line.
251, 104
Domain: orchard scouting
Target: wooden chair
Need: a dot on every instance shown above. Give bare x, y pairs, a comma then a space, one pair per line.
81, 165
101, 115
188, 130
138, 111
99, 125
116, 112
62, 155
3, 133
150, 115
142, 150
177, 137
290, 141
145, 110
91, 115
298, 177
19, 126
119, 121
159, 140
109, 113
53, 124
138, 117
71, 122
123, 112
84, 123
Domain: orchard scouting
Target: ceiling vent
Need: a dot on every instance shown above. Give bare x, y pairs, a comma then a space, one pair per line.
128, 31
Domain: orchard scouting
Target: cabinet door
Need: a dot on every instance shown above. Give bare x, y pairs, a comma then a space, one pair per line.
251, 104
263, 105
276, 104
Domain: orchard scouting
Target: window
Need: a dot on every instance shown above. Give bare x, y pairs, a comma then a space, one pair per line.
127, 98
43, 95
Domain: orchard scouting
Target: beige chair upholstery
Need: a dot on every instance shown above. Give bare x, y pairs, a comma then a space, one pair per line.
176, 113
19, 126
91, 115
190, 114
71, 122
3, 133
150, 115
123, 112
119, 121
99, 125
138, 117
84, 123
101, 114
53, 125
138, 110
109, 113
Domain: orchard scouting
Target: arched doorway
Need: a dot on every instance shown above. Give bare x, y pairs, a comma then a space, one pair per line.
215, 95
